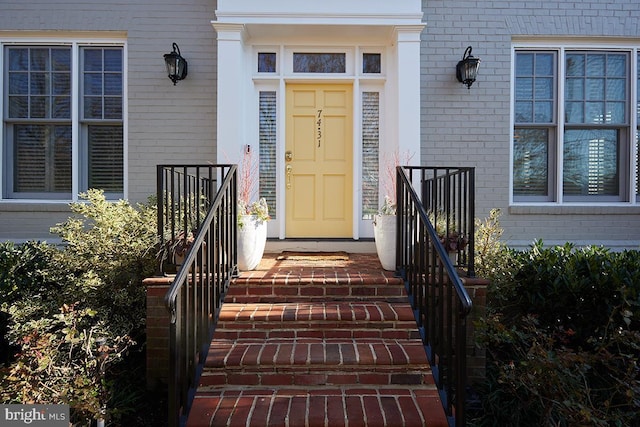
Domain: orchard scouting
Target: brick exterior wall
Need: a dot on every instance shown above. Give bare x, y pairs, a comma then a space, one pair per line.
166, 123
472, 127
459, 127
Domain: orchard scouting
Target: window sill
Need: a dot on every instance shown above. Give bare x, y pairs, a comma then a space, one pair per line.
34, 206
568, 209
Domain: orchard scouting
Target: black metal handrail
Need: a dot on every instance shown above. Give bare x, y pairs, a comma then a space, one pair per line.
205, 209
438, 297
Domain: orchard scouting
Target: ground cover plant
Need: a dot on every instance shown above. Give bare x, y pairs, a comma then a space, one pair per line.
562, 334
74, 315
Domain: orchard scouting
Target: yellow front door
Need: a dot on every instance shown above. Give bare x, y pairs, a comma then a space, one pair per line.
319, 160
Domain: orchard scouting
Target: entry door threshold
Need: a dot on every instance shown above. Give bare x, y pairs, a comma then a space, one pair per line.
321, 245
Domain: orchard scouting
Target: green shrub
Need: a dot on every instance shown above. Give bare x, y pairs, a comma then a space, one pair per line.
110, 248
27, 279
24, 269
563, 339
491, 254
77, 312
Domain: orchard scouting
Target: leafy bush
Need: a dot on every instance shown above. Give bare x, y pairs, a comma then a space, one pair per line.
490, 252
562, 339
24, 270
110, 249
76, 312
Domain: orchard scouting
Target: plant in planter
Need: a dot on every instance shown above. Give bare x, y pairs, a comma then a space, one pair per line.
384, 222
176, 249
180, 231
252, 216
450, 237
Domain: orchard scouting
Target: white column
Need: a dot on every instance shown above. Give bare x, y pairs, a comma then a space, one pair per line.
231, 92
408, 91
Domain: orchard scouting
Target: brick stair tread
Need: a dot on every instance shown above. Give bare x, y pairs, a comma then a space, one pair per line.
375, 377
347, 406
316, 293
326, 320
324, 332
317, 276
347, 311
266, 354
316, 285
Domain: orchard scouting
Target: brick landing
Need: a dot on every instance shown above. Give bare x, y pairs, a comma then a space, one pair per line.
317, 343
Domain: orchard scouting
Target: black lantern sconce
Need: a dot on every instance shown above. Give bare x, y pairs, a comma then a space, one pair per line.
467, 69
176, 65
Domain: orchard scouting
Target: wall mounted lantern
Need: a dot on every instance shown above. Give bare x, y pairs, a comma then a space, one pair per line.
176, 65
467, 69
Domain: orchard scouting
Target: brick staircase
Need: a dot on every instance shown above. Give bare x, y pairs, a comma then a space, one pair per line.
325, 342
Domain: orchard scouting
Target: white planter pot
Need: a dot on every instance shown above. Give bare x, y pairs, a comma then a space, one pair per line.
384, 232
252, 238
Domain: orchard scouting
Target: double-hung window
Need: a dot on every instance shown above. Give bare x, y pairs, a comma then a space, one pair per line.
63, 121
573, 139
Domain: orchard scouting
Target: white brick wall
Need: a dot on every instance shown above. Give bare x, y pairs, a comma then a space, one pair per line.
471, 128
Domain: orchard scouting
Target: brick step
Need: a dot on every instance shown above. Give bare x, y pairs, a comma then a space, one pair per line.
378, 311
316, 320
288, 276
346, 406
313, 292
323, 288
303, 378
319, 330
316, 354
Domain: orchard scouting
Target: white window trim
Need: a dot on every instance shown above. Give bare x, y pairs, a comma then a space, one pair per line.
561, 47
76, 43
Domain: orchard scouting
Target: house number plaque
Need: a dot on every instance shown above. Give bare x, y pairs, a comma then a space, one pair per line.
319, 127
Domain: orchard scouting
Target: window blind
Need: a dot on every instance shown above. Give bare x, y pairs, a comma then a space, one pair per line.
370, 153
105, 158
531, 162
42, 158
267, 136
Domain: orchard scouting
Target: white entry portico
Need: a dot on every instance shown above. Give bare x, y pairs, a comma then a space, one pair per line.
371, 46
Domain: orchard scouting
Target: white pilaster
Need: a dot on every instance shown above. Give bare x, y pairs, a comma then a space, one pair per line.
232, 86
408, 91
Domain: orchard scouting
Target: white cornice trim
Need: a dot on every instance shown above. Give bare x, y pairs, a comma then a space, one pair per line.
229, 32
319, 18
408, 33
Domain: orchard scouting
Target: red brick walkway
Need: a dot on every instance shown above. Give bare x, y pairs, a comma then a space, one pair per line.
317, 343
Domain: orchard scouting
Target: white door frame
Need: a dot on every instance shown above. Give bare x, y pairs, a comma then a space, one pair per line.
248, 26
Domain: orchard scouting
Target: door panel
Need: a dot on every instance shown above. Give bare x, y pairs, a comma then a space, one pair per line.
319, 177
335, 148
303, 146
333, 202
304, 210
